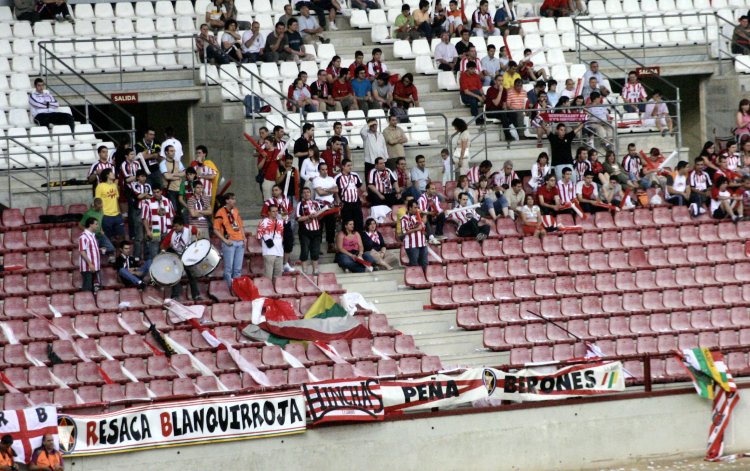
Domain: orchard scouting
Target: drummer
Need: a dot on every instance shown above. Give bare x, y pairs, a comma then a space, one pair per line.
157, 213
285, 209
177, 241
310, 235
199, 206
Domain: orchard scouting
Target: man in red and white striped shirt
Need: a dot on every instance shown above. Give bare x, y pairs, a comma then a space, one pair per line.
469, 222
471, 56
271, 235
285, 210
412, 230
481, 21
582, 164
157, 214
98, 167
177, 240
477, 171
700, 187
566, 187
350, 191
432, 213
310, 234
634, 92
382, 185
90, 257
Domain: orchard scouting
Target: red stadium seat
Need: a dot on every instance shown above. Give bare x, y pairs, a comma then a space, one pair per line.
37, 239
12, 218
112, 345
456, 272
544, 287
137, 367
461, 294
39, 329
492, 249
494, 339
552, 243
159, 367
505, 312
518, 267
538, 265
378, 325
625, 281
471, 250
466, 318
136, 392
572, 242
477, 271
113, 393
585, 284
506, 227
83, 301
512, 246
297, 376
162, 388
665, 278
451, 252
684, 276
415, 277
435, 274
430, 364
591, 241
520, 356
565, 285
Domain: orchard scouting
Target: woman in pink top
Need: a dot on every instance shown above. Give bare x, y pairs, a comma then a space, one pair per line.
349, 247
742, 131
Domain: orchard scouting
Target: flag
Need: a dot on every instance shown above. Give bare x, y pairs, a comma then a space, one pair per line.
324, 307
702, 369
28, 426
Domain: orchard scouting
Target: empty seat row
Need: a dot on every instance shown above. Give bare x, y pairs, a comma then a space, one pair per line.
526, 312
443, 297
614, 328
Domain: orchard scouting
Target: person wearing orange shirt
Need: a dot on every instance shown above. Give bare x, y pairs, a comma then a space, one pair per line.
228, 228
46, 458
6, 454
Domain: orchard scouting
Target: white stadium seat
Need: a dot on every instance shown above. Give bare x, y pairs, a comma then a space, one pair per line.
19, 117
425, 65
402, 49
447, 81
359, 19
84, 11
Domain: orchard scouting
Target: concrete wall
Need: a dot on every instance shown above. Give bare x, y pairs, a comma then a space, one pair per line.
584, 436
719, 97
228, 149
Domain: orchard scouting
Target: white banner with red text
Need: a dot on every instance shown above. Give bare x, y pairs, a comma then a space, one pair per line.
571, 381
183, 423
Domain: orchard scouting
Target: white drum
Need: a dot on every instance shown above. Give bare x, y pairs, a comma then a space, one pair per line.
166, 269
200, 258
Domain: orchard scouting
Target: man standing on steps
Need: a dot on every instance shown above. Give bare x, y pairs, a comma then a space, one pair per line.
395, 138
559, 145
208, 172
151, 152
173, 172
229, 229
350, 191
88, 248
374, 145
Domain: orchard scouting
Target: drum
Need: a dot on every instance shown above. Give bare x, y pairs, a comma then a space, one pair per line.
200, 258
166, 269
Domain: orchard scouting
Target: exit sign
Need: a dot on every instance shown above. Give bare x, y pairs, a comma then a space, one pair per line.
125, 98
648, 71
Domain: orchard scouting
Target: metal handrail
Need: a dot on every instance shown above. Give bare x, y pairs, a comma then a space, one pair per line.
47, 71
635, 61
12, 177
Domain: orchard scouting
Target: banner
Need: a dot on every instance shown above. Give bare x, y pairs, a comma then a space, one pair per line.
564, 117
27, 427
572, 381
183, 423
336, 400
434, 391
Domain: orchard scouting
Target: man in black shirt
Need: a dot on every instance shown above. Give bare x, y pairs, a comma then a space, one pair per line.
321, 91
559, 144
304, 147
126, 266
295, 49
151, 151
462, 48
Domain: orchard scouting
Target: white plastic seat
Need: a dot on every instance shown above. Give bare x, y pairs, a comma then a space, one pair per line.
262, 6
247, 71
447, 81
200, 8
624, 39
555, 57
144, 26
649, 6
677, 36
229, 73
6, 14
631, 7
658, 37
539, 59
552, 40
530, 27
596, 8
79, 154
311, 68
533, 41
105, 62
185, 8
18, 99
104, 28
742, 64
289, 70
515, 42
184, 24
613, 7
62, 134
560, 73
103, 10
22, 30
696, 36
124, 10
162, 9
577, 71
23, 64
43, 30
22, 47
402, 49
208, 74
377, 18
3, 122
39, 135
278, 5
359, 19
684, 6
84, 11
269, 71
165, 25
4, 70
425, 65
547, 25
379, 34
124, 27
19, 118
85, 133
230, 91
145, 10
325, 52
20, 135
420, 47
20, 81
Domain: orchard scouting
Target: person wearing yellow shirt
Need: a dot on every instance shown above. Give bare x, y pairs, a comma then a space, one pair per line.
510, 75
112, 223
